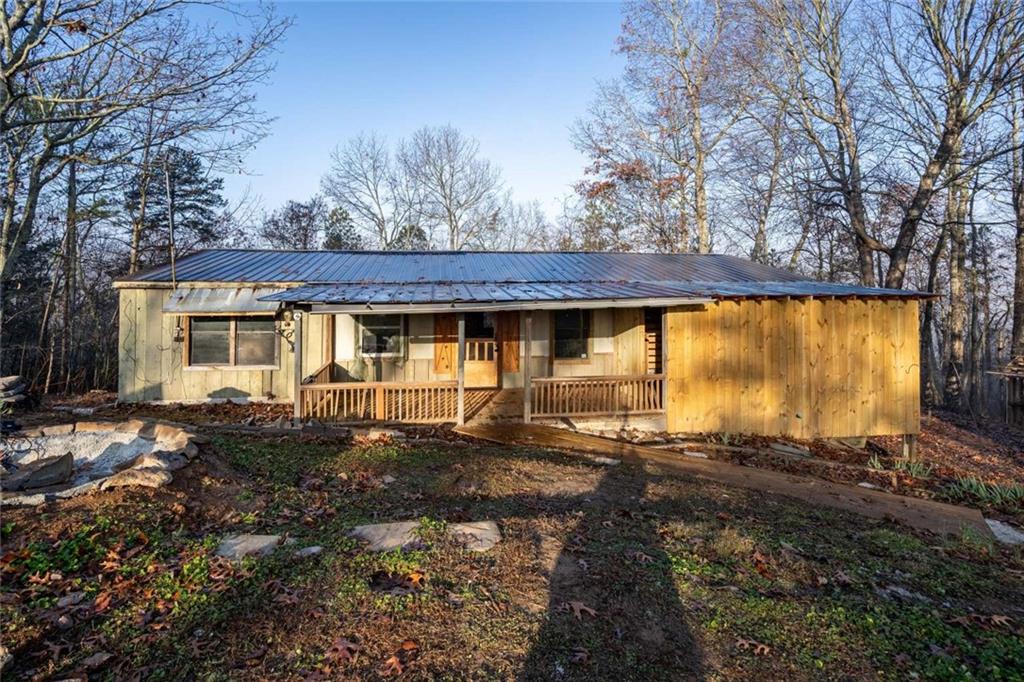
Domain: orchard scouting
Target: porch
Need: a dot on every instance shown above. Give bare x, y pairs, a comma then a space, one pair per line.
493, 373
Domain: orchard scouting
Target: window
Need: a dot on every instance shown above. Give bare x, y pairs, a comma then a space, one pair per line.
572, 334
479, 325
232, 341
381, 335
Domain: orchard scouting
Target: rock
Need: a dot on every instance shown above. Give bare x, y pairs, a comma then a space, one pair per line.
237, 546
97, 660
12, 391
9, 381
13, 399
90, 427
191, 450
131, 426
281, 423
605, 461
168, 461
146, 477
5, 656
1005, 533
385, 434
249, 421
70, 599
478, 536
41, 473
790, 449
312, 550
387, 479
58, 430
869, 486
65, 622
694, 453
384, 537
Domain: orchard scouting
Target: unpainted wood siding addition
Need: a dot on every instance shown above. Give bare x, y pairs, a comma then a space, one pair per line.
805, 368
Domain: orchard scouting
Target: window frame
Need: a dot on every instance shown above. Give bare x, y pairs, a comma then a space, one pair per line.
588, 339
231, 364
362, 327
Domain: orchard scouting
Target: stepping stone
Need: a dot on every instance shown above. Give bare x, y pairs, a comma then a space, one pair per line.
384, 537
1005, 533
476, 536
237, 546
312, 550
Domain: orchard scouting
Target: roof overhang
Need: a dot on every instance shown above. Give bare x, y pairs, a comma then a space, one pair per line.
221, 301
394, 308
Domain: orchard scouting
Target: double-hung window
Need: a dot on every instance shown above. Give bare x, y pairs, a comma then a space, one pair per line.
224, 341
380, 335
572, 334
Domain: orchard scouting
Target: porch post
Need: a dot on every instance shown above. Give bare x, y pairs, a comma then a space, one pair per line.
297, 379
462, 368
527, 374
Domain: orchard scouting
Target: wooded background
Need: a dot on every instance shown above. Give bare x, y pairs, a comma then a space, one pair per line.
868, 142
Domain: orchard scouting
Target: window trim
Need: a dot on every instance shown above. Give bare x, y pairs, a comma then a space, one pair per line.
232, 347
589, 339
361, 327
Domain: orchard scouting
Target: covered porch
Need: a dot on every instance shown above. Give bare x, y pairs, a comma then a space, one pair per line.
484, 363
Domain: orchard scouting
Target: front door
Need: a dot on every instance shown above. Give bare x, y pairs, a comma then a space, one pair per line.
481, 351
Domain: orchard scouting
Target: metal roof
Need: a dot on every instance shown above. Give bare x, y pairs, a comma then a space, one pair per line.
434, 277
203, 301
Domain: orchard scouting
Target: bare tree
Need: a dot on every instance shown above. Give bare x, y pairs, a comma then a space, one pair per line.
461, 192
374, 188
73, 72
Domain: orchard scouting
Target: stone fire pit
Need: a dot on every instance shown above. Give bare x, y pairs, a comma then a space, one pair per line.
58, 462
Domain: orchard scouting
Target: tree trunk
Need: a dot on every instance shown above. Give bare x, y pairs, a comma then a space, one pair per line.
929, 363
68, 262
956, 213
1017, 198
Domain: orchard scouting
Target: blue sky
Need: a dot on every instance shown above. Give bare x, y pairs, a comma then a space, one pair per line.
513, 75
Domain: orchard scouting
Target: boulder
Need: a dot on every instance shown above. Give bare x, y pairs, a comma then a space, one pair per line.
42, 473
10, 382
236, 547
384, 537
146, 477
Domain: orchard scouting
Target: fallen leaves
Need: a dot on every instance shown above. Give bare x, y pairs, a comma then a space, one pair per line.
578, 608
580, 655
981, 620
759, 648
342, 651
396, 664
642, 558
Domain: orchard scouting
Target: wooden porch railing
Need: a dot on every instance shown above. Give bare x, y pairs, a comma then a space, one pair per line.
419, 402
602, 395
322, 375
481, 350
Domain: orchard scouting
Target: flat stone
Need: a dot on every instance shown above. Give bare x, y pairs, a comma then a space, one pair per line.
93, 427
382, 434
58, 430
312, 550
146, 477
42, 473
168, 461
131, 426
694, 453
606, 461
70, 599
476, 536
790, 449
237, 546
1005, 533
869, 486
384, 537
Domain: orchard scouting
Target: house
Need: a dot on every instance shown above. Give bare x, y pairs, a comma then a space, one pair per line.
696, 343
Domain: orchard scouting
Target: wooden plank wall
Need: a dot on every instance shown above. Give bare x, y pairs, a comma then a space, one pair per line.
805, 368
151, 364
